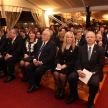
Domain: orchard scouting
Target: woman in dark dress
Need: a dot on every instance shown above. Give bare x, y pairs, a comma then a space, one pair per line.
65, 62
29, 48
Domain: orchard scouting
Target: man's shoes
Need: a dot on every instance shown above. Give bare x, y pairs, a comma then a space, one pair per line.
32, 88
10, 78
3, 75
91, 106
71, 99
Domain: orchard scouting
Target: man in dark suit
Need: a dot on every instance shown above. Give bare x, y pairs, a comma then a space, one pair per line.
102, 29
91, 57
3, 41
78, 38
105, 42
99, 40
13, 55
44, 59
27, 31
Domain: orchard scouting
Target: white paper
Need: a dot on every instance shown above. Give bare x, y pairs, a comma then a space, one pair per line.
58, 69
88, 76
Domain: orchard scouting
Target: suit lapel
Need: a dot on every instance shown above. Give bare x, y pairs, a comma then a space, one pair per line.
13, 45
86, 52
15, 41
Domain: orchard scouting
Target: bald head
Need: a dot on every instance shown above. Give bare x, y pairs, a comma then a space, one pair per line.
90, 38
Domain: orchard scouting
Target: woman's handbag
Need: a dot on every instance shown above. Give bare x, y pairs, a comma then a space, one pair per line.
29, 59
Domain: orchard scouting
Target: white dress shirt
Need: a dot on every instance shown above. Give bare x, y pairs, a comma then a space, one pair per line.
13, 40
1, 37
107, 36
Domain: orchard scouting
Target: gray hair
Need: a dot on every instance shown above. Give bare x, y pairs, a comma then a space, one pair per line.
90, 32
15, 31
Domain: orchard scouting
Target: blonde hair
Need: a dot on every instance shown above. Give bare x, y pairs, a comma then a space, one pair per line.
65, 42
61, 34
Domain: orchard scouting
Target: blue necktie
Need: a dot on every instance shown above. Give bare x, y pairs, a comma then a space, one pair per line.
78, 42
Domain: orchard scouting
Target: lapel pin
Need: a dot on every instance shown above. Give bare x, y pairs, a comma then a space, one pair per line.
70, 50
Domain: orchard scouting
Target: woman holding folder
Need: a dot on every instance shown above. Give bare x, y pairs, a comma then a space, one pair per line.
65, 62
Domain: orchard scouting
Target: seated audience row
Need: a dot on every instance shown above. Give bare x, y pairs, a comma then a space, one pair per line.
36, 53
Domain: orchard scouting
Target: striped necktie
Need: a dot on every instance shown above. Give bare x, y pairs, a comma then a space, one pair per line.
39, 53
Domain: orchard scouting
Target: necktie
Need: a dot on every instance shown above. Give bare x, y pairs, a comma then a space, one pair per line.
89, 53
39, 53
78, 42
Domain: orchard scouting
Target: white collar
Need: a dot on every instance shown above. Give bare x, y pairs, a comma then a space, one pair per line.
91, 46
77, 40
13, 39
45, 42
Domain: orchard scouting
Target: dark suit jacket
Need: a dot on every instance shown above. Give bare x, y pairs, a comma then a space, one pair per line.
96, 62
47, 55
69, 57
4, 50
82, 42
16, 50
105, 40
3, 43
